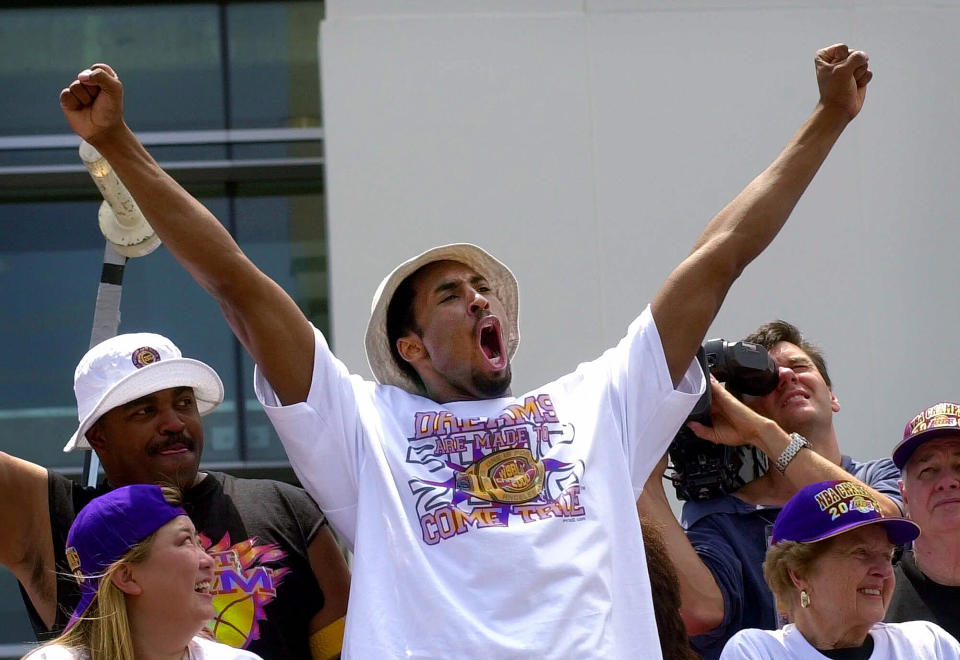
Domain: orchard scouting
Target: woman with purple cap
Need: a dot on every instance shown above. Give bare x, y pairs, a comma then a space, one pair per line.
829, 567
145, 582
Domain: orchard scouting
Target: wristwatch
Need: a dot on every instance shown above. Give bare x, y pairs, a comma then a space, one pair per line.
797, 442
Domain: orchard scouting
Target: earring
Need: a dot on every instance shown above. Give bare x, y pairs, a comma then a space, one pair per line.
804, 599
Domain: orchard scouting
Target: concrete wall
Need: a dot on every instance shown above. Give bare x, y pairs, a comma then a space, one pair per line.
587, 143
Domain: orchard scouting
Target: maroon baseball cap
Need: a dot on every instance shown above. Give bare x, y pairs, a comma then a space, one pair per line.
942, 419
822, 510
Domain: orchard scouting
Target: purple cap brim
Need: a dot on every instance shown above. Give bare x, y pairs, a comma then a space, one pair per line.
899, 530
826, 509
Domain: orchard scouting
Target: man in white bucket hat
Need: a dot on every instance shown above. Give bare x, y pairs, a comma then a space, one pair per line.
484, 524
139, 405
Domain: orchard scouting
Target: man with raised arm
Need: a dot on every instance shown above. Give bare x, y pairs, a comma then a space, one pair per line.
484, 524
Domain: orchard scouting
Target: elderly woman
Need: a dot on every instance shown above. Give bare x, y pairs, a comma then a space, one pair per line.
145, 583
829, 566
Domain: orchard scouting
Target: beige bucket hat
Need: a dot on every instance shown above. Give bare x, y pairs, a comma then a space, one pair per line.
498, 276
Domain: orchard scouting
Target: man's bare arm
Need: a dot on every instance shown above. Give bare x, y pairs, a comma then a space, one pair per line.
701, 601
734, 423
26, 542
689, 300
263, 317
333, 576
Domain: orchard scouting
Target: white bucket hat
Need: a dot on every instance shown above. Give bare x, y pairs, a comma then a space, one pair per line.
127, 367
501, 281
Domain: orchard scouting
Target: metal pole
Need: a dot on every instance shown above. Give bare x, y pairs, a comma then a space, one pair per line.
127, 235
106, 320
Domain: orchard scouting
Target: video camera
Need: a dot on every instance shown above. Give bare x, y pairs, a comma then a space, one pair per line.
703, 470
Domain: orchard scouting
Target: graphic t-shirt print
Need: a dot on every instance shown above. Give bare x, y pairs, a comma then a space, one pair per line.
493, 471
244, 583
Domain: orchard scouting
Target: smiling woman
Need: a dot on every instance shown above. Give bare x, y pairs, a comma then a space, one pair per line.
829, 567
145, 582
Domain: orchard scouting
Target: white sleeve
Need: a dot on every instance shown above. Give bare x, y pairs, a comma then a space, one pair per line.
649, 408
948, 648
323, 435
749, 644
56, 652
201, 648
920, 639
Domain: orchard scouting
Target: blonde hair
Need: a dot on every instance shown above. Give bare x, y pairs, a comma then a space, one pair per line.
782, 558
104, 629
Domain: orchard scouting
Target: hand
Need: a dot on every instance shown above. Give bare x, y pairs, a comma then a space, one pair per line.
734, 424
93, 103
842, 76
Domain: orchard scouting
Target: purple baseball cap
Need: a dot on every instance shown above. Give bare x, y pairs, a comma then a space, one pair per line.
822, 510
106, 529
939, 420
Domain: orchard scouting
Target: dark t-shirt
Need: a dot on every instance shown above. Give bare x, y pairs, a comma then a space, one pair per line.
731, 537
257, 531
918, 597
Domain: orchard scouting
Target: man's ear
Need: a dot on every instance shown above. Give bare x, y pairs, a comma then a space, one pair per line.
124, 580
904, 498
411, 348
95, 437
834, 402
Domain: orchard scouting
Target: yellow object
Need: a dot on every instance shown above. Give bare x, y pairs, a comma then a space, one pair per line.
327, 642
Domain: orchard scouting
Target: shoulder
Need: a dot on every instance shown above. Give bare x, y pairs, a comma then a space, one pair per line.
57, 652
746, 643
242, 485
695, 511
878, 468
920, 634
261, 495
201, 647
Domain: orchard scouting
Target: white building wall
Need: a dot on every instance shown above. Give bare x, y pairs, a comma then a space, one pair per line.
586, 144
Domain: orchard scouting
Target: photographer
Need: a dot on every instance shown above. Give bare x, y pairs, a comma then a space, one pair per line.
719, 559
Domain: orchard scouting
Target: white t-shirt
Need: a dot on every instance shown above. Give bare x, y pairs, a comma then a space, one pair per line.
441, 572
912, 640
198, 649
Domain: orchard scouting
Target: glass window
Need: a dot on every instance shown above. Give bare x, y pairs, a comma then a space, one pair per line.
165, 54
51, 255
275, 79
186, 67
284, 236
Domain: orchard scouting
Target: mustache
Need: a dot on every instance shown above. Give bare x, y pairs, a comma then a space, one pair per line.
171, 440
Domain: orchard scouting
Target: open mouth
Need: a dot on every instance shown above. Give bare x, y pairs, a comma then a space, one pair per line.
795, 396
203, 587
870, 592
490, 339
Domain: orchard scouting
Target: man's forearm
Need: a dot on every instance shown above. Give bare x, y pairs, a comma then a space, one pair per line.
192, 234
690, 299
741, 231
701, 601
262, 316
808, 467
